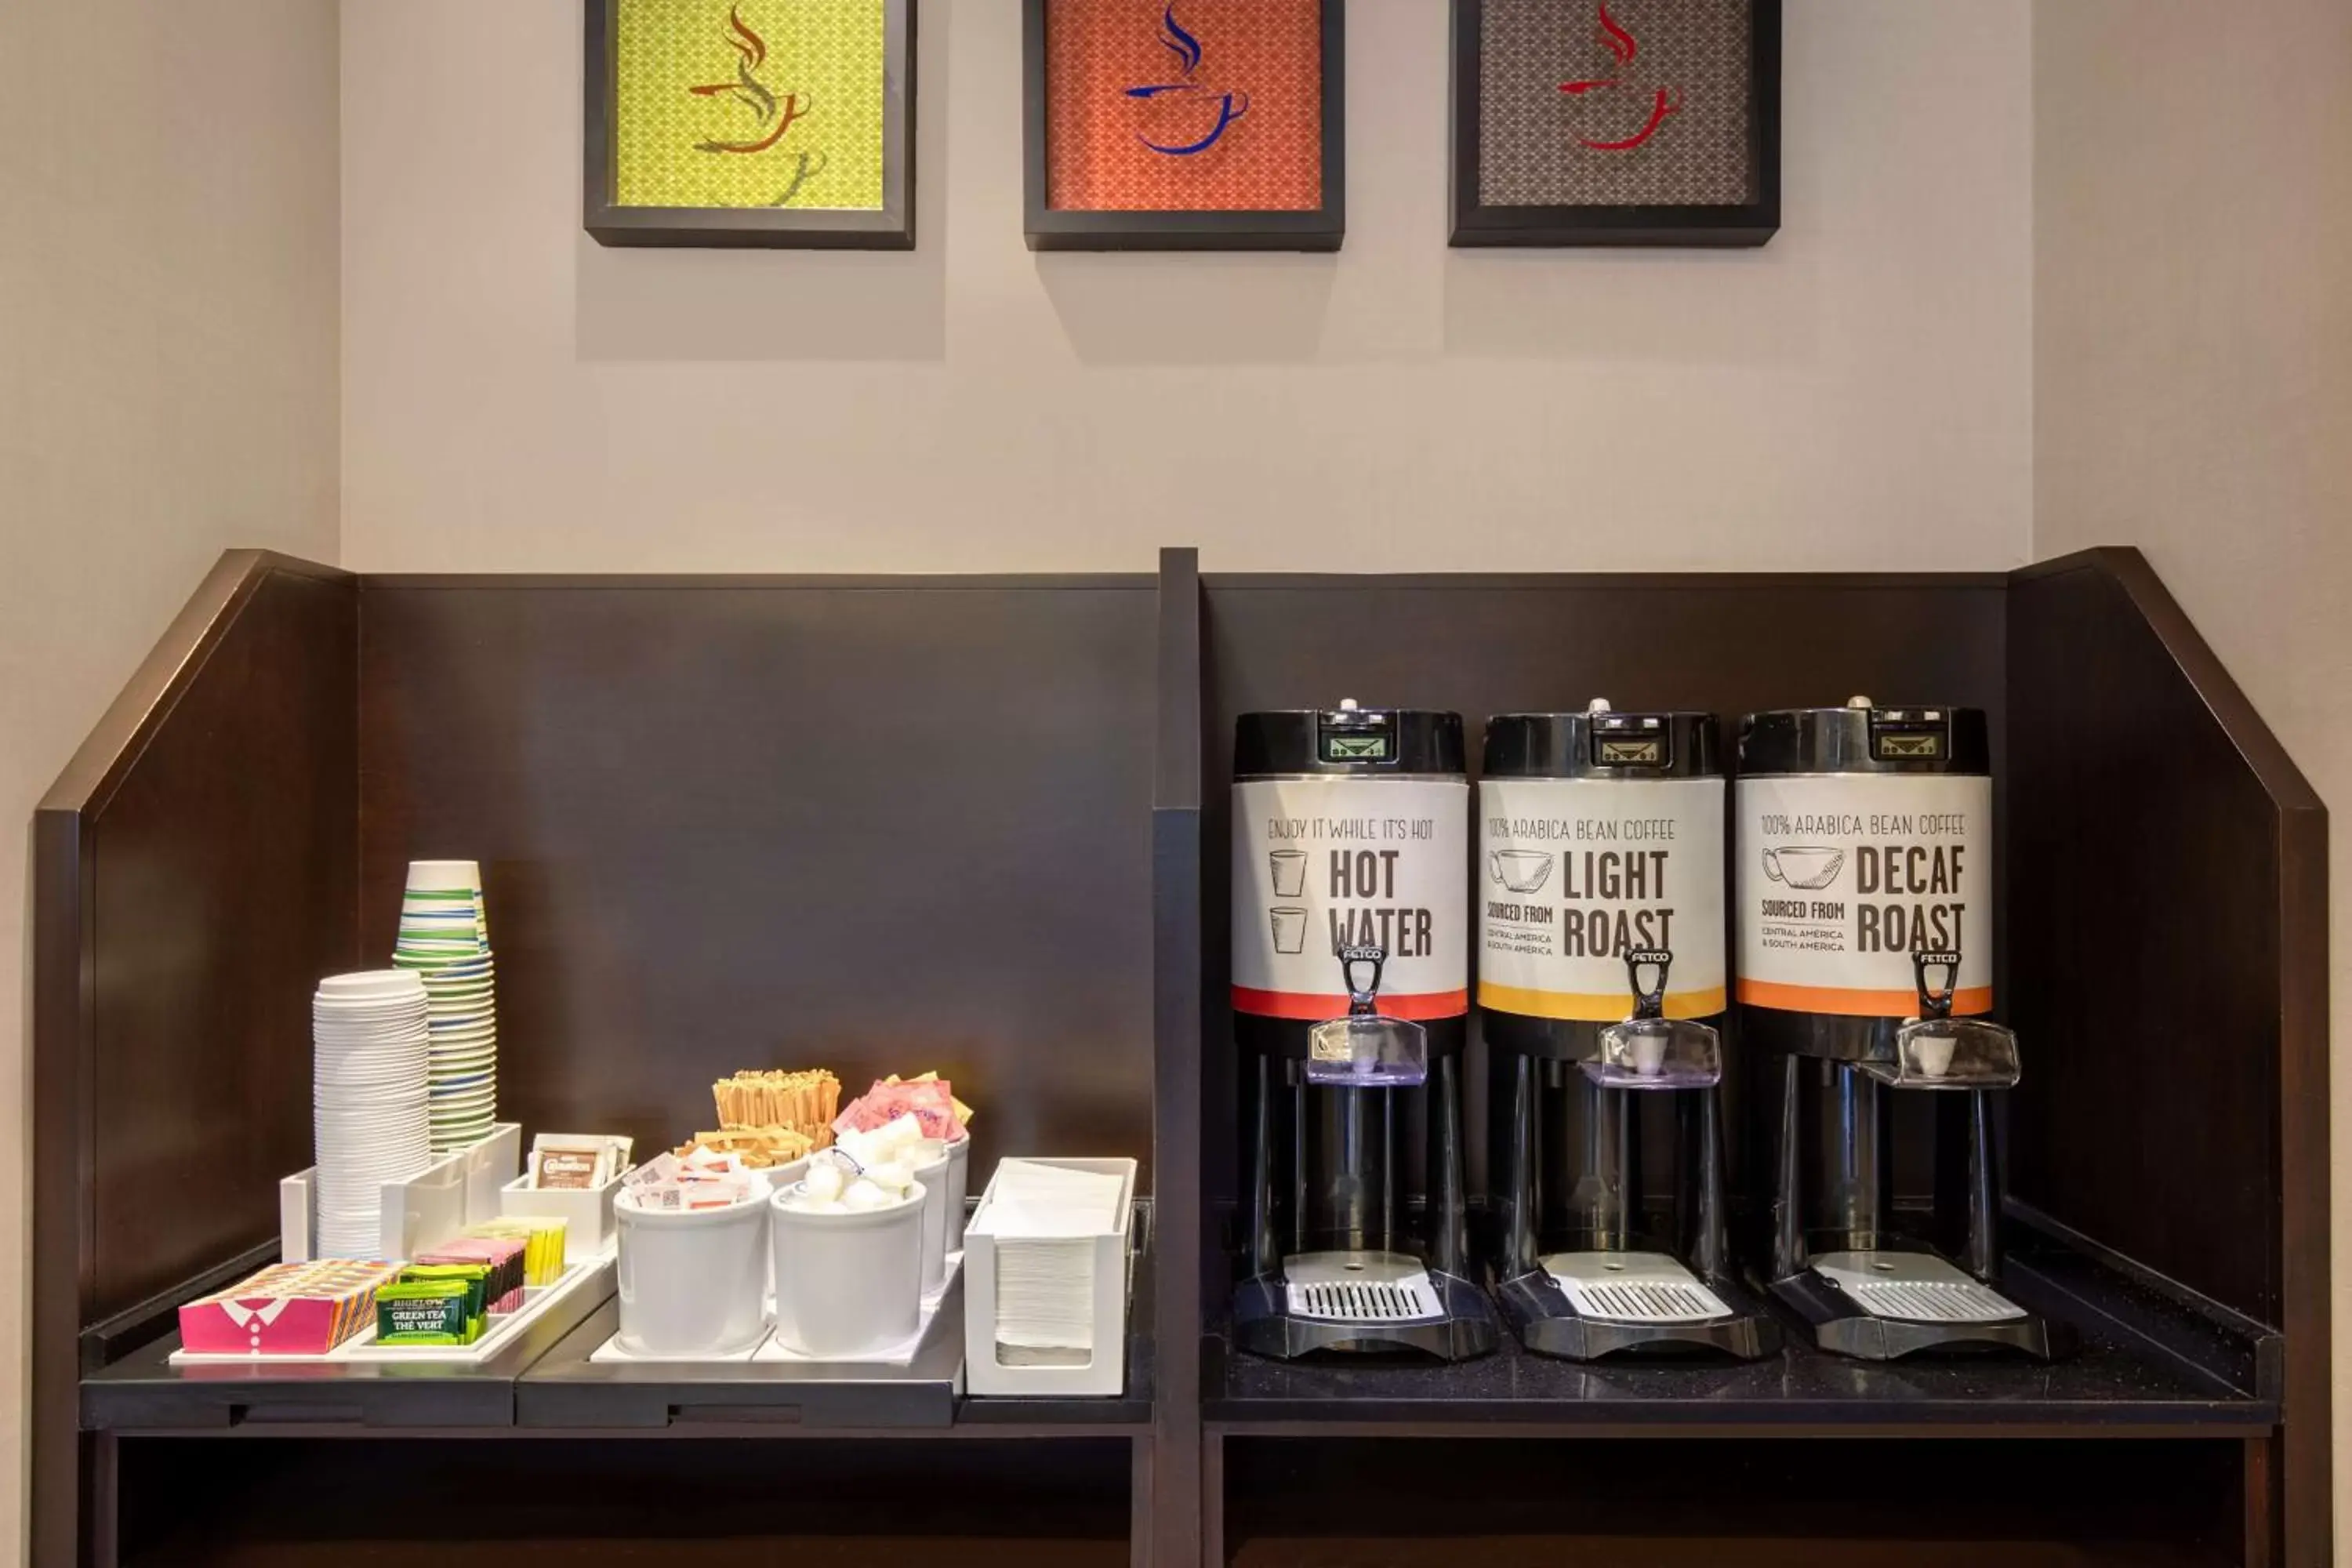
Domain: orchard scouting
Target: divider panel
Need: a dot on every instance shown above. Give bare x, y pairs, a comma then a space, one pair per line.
878, 824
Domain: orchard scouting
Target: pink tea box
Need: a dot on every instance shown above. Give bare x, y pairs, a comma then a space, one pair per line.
288, 1309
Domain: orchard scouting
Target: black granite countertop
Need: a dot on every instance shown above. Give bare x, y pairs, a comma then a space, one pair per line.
2142, 1364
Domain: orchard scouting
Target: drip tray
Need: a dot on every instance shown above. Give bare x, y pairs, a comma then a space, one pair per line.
1360, 1288
1915, 1287
1633, 1288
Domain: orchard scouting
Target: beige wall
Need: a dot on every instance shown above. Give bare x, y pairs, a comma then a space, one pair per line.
168, 334
1853, 395
2193, 367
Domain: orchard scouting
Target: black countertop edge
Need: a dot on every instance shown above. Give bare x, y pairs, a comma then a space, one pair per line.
565, 1389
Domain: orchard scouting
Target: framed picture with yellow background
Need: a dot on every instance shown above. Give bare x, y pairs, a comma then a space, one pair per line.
752, 122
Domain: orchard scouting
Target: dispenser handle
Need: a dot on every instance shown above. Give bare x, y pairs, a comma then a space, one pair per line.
1935, 1002
1362, 999
1650, 997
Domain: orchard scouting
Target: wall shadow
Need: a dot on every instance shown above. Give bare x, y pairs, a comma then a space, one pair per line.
1195, 308
1695, 306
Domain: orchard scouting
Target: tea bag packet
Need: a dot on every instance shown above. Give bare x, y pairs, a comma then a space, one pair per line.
542, 1240
1649, 1050
472, 1279
1366, 1049
503, 1256
424, 1312
1935, 1050
289, 1308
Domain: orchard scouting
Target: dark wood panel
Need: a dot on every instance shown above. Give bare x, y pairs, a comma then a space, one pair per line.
193, 876
1393, 1502
2168, 872
740, 1499
1175, 1469
223, 871
2148, 1119
1482, 646
878, 829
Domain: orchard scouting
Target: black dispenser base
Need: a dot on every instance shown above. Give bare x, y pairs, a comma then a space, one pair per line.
1541, 1313
1264, 1325
1840, 1325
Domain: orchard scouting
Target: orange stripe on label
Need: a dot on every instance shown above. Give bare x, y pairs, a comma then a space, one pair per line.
1593, 1007
1309, 1007
1854, 1004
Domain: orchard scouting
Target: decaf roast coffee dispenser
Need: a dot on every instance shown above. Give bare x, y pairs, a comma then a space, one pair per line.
1600, 967
1866, 920
1351, 992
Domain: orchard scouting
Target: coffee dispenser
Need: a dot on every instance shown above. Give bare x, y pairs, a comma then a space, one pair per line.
1600, 965
1351, 993
1865, 972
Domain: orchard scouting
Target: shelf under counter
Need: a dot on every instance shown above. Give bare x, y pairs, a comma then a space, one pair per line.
143, 1391
2146, 1366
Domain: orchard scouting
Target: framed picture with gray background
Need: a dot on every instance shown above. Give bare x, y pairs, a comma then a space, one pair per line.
1651, 122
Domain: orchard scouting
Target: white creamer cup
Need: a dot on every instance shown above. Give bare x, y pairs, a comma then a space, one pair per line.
692, 1279
847, 1284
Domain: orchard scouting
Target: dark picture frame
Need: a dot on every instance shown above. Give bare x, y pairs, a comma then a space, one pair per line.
1061, 228
890, 227
1721, 226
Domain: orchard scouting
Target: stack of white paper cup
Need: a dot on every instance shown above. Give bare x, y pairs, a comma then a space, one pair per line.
444, 939
368, 1042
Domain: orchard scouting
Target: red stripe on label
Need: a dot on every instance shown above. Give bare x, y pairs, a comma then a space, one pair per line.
1308, 1007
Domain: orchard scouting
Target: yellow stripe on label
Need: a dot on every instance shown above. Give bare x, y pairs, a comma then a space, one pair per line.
1593, 1007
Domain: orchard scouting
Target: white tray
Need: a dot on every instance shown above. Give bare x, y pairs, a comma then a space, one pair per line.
611, 1352
502, 1331
901, 1354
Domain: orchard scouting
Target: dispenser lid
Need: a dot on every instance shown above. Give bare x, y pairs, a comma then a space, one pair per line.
1865, 737
1602, 743
1348, 740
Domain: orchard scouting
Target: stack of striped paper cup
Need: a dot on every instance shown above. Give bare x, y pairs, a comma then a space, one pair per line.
444, 938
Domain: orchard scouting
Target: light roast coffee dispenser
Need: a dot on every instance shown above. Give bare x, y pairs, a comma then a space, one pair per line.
1600, 965
1866, 970
1351, 993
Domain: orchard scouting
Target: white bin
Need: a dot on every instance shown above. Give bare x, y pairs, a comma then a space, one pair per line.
934, 1180
586, 1214
1104, 1369
848, 1284
959, 1184
692, 1279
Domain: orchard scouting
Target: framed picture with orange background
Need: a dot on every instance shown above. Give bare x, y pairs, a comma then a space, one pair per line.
1583, 122
784, 124
1185, 124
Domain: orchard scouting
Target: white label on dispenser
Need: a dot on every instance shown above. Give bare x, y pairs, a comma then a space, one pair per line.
1322, 864
1573, 874
1843, 877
